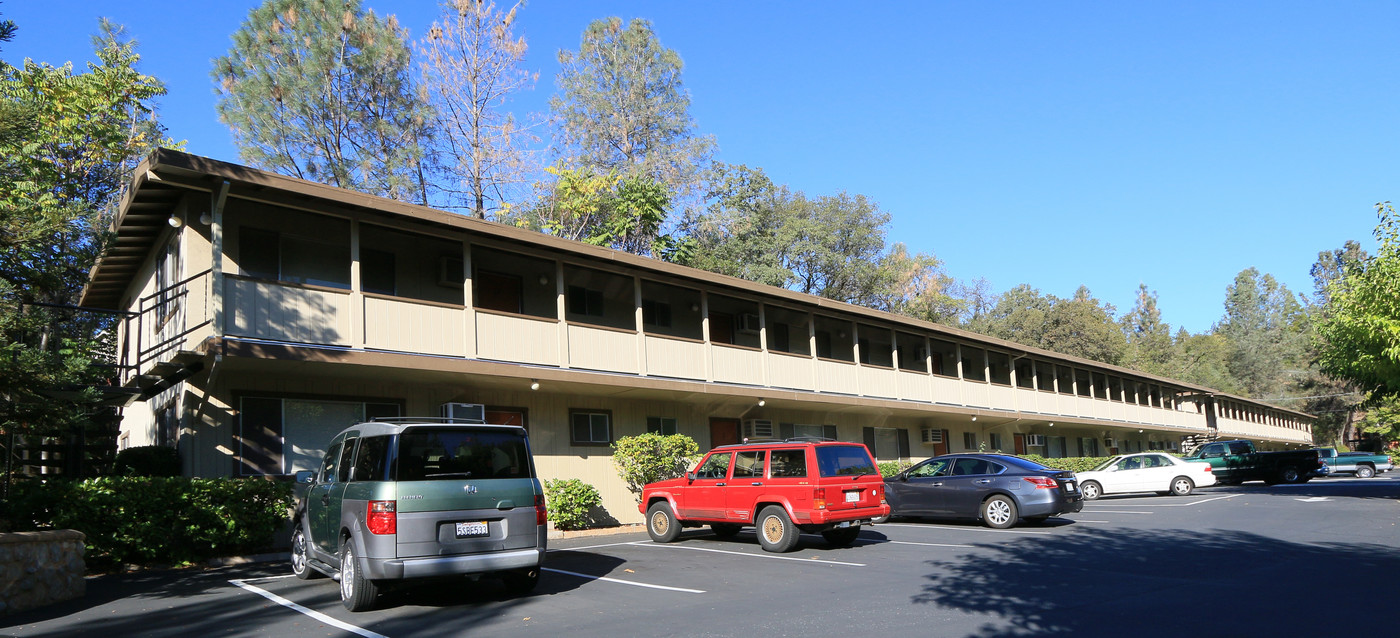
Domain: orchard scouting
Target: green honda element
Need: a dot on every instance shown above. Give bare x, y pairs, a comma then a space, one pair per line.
410, 498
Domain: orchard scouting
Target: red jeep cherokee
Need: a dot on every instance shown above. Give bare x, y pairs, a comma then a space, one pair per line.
782, 488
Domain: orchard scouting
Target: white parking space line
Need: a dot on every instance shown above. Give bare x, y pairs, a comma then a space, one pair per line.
749, 555
1204, 500
1077, 520
309, 612
575, 549
624, 582
982, 530
925, 544
1099, 511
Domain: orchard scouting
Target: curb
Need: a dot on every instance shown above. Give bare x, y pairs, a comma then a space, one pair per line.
555, 534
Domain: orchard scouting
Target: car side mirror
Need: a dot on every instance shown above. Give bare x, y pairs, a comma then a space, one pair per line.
690, 476
903, 476
305, 476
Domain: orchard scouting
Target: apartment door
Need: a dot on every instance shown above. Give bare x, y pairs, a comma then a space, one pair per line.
723, 432
497, 291
721, 328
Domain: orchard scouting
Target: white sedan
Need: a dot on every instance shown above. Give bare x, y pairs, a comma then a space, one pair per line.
1145, 472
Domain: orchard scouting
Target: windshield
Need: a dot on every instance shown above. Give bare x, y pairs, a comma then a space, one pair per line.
437, 453
1106, 464
844, 460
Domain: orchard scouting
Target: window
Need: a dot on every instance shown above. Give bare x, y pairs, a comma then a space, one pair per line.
994, 441
1064, 379
716, 466
788, 464
844, 460
945, 358
1088, 446
929, 470
974, 364
876, 346
1115, 389
1045, 376
999, 365
347, 459
498, 291
912, 353
750, 464
779, 337
1081, 378
654, 313
377, 271
167, 273
303, 260
585, 301
661, 425
1100, 385
969, 440
436, 453
1025, 373
371, 460
794, 430
327, 472
283, 436
590, 427
976, 467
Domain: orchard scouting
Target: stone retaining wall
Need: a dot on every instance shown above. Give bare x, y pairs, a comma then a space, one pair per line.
39, 568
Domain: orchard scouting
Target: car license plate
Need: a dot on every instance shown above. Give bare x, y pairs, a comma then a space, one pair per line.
1069, 486
853, 497
468, 530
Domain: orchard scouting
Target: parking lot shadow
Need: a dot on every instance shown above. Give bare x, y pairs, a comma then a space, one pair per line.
1379, 488
1097, 582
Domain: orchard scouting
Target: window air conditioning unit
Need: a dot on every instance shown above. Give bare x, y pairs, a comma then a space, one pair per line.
748, 323
757, 429
1035, 439
931, 436
464, 412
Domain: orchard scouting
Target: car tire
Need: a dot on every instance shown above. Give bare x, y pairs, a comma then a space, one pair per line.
999, 512
725, 530
1365, 471
1091, 490
1182, 486
300, 567
662, 525
776, 533
1289, 474
521, 581
842, 537
357, 592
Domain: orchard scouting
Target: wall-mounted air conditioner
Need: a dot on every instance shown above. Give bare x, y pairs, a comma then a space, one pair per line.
931, 436
464, 412
757, 429
1035, 439
748, 323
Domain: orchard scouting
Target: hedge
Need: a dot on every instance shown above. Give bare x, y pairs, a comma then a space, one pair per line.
160, 521
568, 502
147, 460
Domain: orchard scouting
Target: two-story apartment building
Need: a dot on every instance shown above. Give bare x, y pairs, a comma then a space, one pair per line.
264, 313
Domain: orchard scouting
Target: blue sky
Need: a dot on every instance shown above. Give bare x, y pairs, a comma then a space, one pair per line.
1056, 144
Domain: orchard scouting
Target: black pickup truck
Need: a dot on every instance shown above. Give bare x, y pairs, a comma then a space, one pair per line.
1234, 462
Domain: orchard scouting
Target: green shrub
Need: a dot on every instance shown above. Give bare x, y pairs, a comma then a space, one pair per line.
145, 520
568, 502
147, 460
891, 468
1073, 463
648, 458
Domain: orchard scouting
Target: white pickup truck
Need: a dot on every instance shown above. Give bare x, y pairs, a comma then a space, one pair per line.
1362, 464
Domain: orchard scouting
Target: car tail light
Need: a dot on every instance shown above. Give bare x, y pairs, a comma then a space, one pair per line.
382, 517
881, 491
1207, 468
541, 516
1042, 482
819, 498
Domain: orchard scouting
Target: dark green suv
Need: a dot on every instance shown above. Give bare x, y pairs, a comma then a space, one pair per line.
406, 499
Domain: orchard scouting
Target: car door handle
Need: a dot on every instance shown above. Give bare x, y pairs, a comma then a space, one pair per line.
939, 484
719, 484
984, 481
756, 483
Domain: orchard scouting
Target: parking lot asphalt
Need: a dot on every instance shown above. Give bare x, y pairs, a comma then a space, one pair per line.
1247, 560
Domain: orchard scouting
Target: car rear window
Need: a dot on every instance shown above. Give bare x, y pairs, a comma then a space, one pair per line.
844, 460
1026, 464
438, 454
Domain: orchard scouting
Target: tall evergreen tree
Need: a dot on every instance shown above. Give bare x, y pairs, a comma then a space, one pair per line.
320, 89
622, 107
1265, 324
1150, 347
